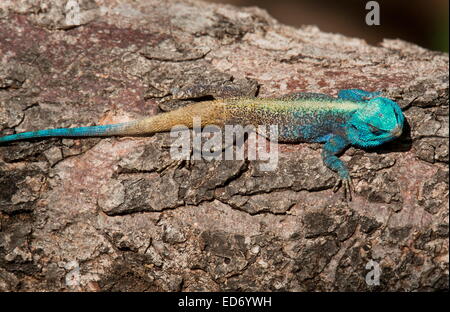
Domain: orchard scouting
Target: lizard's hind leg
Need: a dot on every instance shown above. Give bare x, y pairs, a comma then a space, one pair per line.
334, 146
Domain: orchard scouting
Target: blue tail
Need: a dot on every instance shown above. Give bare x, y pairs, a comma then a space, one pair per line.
105, 130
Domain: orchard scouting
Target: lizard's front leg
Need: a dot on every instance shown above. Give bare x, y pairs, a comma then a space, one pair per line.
334, 146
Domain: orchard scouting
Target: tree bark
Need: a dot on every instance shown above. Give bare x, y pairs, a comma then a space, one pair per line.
114, 214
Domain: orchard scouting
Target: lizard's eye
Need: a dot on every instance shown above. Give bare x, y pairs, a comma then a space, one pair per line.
375, 130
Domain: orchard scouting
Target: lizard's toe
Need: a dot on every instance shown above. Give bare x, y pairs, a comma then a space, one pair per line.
337, 185
347, 185
348, 188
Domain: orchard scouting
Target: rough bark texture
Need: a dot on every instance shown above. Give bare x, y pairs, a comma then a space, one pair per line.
112, 214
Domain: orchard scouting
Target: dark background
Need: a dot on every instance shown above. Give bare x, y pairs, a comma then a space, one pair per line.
424, 22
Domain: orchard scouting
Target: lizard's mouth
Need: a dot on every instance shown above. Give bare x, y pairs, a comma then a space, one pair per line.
388, 136
396, 132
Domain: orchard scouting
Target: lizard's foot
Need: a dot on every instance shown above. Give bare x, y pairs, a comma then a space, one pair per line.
347, 185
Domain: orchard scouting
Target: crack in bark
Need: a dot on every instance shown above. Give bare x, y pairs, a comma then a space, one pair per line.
181, 60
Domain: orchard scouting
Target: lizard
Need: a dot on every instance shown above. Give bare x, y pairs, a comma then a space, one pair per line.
354, 118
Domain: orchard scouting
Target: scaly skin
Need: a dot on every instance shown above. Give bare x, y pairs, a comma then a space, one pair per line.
355, 117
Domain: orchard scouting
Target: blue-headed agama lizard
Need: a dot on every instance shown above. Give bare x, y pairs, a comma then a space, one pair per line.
356, 117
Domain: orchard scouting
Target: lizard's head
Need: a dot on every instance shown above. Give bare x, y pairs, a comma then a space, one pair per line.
380, 121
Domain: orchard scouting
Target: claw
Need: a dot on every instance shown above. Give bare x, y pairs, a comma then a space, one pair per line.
337, 185
347, 185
